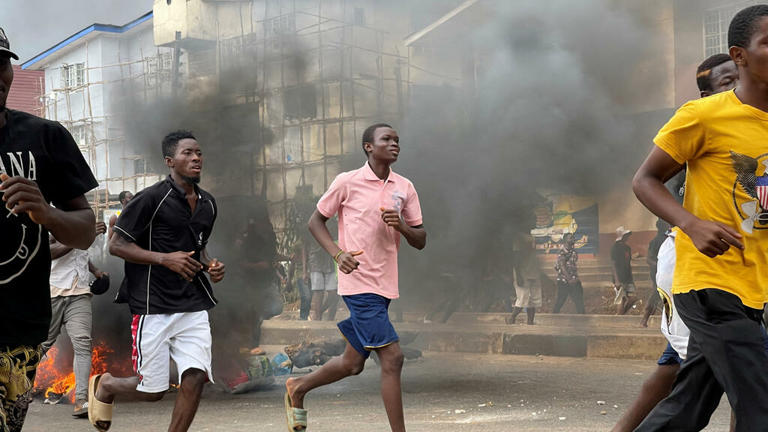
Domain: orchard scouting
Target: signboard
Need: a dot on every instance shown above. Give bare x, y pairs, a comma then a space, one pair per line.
561, 214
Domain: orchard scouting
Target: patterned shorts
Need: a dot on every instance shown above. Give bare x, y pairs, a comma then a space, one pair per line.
17, 376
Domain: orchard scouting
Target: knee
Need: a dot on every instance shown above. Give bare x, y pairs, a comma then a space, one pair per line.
193, 378
392, 363
354, 367
81, 341
154, 397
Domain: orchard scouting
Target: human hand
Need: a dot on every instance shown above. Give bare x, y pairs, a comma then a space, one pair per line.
101, 228
392, 218
712, 238
23, 195
216, 269
181, 263
347, 262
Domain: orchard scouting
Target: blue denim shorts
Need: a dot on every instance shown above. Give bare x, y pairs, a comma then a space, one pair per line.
368, 326
669, 357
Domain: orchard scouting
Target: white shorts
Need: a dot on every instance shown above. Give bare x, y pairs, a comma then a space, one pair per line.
528, 295
183, 337
323, 281
672, 326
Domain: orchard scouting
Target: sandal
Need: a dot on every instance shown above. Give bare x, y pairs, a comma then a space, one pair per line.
99, 413
297, 417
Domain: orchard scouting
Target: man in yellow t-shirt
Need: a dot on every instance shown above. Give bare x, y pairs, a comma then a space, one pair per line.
720, 281
716, 74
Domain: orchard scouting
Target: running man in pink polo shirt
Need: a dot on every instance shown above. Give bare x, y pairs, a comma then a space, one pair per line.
375, 207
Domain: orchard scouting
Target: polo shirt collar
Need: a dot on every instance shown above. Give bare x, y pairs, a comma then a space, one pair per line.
178, 188
368, 173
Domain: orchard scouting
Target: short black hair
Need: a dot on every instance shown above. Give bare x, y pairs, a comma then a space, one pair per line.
704, 71
172, 140
369, 131
122, 195
744, 25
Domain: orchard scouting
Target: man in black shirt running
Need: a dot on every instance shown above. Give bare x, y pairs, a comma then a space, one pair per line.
162, 234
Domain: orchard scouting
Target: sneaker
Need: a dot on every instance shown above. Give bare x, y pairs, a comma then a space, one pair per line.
81, 409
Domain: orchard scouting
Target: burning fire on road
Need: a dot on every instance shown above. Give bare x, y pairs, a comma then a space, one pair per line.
55, 380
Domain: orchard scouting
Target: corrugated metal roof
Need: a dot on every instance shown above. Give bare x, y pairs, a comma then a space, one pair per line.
109, 28
27, 89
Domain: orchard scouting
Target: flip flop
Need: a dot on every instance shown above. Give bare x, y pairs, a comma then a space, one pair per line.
297, 417
99, 413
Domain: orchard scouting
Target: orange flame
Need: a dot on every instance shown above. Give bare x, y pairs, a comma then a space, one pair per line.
50, 375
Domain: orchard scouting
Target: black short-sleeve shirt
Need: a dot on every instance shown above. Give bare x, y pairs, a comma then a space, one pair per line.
159, 219
43, 151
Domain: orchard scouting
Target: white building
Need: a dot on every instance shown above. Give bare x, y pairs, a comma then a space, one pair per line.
86, 77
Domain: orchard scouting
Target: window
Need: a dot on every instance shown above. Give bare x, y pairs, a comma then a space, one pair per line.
139, 166
359, 16
159, 63
81, 135
167, 61
73, 75
716, 22
278, 27
281, 25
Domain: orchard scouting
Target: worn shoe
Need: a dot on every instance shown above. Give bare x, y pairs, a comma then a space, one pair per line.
81, 409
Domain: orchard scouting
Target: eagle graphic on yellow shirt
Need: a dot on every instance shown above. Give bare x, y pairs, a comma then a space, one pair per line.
755, 186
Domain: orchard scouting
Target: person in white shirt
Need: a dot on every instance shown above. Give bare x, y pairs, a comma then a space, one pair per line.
71, 306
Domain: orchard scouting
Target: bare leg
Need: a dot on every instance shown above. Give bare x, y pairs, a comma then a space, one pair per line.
646, 316
631, 300
650, 307
350, 363
515, 312
110, 387
654, 389
391, 358
531, 311
316, 309
184, 410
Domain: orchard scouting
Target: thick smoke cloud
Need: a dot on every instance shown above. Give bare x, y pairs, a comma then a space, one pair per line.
549, 111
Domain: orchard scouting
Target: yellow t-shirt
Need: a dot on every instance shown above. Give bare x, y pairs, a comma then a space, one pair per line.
725, 144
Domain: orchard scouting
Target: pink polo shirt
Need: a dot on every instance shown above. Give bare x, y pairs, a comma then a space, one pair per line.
358, 196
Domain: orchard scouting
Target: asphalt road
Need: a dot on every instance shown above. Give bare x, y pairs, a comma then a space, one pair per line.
442, 391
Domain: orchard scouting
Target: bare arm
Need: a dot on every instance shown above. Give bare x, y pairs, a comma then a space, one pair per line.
320, 232
94, 270
345, 259
112, 221
416, 236
58, 250
710, 238
180, 262
648, 185
72, 223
